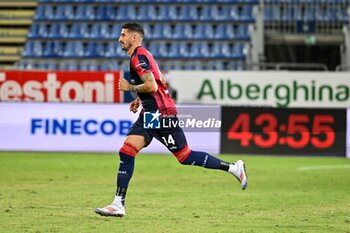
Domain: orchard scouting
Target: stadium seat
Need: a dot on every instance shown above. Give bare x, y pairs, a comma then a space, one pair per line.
28, 49
109, 65
220, 32
188, 13
238, 51
33, 31
247, 13
242, 32
178, 31
219, 50
204, 49
174, 50
44, 12
91, 50
79, 30
167, 31
85, 12
158, 32
43, 30
58, 30
229, 31
115, 31
147, 12
57, 48
232, 13
111, 49
88, 65
64, 12
68, 66
195, 50
100, 31
74, 49
167, 12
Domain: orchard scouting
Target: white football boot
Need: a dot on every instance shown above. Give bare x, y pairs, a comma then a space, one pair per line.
238, 170
116, 209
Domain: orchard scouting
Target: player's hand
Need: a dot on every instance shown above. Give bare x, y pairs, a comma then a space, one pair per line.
123, 84
134, 105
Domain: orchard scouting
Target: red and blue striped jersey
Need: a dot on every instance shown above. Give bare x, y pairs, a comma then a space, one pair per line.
141, 63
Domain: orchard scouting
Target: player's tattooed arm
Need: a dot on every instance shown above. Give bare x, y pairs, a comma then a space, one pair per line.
149, 84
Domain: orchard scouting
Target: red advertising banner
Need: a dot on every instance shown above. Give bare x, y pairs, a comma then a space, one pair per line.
59, 86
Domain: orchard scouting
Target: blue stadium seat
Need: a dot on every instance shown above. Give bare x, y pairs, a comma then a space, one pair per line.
204, 49
214, 65
167, 32
230, 31
188, 13
178, 32
242, 32
153, 48
188, 31
100, 31
68, 66
195, 50
28, 49
167, 12
91, 50
247, 13
58, 30
157, 32
74, 49
219, 50
85, 12
53, 49
64, 12
208, 31
147, 30
34, 31
109, 65
174, 50
147, 12
238, 50
44, 12
220, 32
232, 13
111, 49
88, 65
79, 30
115, 31
205, 13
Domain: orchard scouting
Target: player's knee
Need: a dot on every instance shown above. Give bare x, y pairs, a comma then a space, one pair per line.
182, 155
128, 149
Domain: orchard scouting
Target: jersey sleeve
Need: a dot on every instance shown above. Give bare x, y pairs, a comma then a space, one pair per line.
141, 64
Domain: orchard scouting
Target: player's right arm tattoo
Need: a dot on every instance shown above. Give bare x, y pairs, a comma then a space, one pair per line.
149, 84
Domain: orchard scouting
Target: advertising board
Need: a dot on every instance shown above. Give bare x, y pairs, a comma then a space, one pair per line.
85, 127
263, 88
280, 131
59, 86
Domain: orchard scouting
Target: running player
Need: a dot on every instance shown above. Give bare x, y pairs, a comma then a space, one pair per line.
149, 84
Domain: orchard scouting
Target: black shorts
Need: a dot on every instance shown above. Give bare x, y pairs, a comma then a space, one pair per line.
173, 137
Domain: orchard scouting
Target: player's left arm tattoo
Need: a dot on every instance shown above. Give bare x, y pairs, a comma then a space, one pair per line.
149, 84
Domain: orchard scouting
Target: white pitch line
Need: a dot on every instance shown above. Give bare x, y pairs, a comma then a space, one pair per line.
325, 167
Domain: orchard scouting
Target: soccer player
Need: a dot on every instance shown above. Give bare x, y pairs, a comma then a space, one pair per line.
149, 84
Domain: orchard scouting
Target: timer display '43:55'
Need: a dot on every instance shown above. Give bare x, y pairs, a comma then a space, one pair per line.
283, 131
298, 131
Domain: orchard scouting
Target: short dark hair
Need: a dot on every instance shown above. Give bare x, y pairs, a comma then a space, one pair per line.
134, 27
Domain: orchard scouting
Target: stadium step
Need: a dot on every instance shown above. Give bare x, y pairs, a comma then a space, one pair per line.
15, 18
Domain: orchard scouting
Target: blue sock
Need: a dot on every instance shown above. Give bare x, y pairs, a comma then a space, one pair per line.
126, 169
203, 159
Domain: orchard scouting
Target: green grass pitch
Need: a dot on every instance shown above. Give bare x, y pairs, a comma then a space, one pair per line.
57, 192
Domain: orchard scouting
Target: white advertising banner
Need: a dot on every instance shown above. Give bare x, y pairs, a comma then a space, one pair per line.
348, 134
80, 127
263, 88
